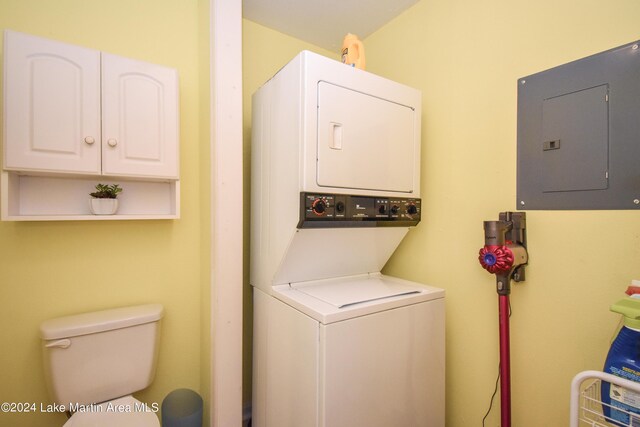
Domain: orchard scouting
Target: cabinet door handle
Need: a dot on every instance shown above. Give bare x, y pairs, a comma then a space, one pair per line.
89, 140
112, 142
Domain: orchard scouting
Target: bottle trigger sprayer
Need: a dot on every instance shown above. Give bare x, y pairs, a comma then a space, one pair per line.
623, 361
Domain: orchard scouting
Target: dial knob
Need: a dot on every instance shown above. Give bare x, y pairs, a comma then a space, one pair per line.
340, 207
319, 207
412, 210
395, 209
382, 209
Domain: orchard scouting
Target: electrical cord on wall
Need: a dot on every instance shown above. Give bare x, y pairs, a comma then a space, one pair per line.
495, 389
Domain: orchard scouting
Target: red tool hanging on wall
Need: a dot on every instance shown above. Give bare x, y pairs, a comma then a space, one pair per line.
505, 255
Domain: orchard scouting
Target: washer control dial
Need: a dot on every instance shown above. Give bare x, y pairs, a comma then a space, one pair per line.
319, 206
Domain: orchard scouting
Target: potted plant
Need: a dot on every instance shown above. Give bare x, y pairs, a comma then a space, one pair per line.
104, 200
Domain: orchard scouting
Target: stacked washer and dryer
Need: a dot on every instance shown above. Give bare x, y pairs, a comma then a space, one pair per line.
335, 188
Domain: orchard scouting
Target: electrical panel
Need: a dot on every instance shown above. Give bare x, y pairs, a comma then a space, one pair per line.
578, 134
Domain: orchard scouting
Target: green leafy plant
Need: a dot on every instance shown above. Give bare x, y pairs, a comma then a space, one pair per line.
106, 191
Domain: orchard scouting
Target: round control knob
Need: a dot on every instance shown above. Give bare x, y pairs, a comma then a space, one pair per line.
340, 207
382, 209
319, 207
395, 209
412, 210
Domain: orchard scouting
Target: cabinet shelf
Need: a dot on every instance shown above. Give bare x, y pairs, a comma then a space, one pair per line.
56, 198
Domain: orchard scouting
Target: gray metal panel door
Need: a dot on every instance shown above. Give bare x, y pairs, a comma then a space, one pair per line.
575, 141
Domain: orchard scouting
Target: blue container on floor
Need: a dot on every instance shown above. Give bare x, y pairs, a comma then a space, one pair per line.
182, 408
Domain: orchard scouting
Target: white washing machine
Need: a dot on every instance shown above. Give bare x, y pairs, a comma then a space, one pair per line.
335, 188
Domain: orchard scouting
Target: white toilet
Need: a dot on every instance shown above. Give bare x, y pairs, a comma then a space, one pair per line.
94, 361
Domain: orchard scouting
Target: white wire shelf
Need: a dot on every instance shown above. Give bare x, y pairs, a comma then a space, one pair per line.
587, 405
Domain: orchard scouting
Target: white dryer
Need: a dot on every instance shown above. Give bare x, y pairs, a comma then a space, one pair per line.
335, 188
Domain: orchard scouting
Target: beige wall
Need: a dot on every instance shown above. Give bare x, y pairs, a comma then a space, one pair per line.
49, 269
466, 56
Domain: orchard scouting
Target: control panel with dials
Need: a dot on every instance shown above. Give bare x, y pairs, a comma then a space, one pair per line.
321, 210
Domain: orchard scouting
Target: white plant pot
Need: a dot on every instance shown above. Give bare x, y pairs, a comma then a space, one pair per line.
103, 206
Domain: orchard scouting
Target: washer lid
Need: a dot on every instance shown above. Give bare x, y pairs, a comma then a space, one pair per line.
123, 412
342, 298
345, 293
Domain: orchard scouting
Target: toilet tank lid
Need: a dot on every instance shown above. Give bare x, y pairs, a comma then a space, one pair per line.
100, 321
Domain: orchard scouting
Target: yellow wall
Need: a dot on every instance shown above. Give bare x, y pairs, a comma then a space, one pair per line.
466, 56
205, 206
49, 269
264, 52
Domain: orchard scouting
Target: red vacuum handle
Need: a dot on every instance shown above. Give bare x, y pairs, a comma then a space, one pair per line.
505, 362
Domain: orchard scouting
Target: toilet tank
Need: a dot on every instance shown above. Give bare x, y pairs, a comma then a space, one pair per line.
99, 356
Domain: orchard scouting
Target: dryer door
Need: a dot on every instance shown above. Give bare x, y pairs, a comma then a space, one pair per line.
364, 142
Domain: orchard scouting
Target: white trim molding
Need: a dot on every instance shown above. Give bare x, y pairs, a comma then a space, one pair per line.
226, 213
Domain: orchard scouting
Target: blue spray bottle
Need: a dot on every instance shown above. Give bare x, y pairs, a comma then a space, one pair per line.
623, 360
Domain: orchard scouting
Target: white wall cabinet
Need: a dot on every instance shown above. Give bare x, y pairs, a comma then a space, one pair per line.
77, 113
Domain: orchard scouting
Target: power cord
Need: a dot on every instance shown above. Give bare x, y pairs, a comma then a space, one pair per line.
495, 391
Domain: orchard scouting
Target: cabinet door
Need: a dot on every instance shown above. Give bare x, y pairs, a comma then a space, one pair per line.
139, 118
51, 105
